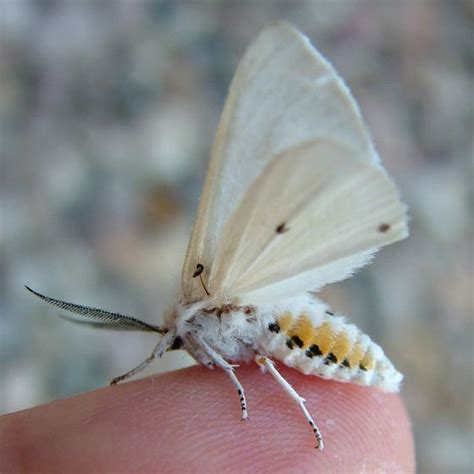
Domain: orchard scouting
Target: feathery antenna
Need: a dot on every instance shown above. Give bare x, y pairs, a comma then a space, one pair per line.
105, 319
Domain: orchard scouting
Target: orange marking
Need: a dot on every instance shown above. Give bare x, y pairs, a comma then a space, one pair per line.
286, 322
324, 338
356, 355
342, 346
368, 361
304, 329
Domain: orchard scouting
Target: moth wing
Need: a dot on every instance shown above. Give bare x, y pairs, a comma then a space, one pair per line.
284, 93
314, 215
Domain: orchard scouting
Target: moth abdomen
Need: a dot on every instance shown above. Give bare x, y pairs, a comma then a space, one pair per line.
317, 342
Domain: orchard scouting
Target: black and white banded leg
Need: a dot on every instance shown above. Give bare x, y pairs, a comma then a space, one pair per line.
267, 364
224, 365
165, 343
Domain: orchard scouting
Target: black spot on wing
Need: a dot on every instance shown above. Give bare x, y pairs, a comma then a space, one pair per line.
384, 227
281, 228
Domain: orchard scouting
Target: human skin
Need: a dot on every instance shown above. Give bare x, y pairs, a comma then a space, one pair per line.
188, 421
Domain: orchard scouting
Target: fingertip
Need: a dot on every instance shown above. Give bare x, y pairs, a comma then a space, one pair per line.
188, 420
364, 429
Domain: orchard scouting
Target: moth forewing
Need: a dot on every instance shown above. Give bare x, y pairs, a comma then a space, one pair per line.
284, 94
334, 206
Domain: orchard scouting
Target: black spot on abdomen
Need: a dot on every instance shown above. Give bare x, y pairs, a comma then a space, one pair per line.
274, 327
313, 351
297, 341
330, 359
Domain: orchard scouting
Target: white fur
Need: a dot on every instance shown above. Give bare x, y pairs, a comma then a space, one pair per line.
239, 337
383, 376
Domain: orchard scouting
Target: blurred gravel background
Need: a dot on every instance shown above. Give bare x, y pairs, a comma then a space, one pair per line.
107, 114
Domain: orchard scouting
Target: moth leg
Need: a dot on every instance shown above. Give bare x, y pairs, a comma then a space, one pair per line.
224, 365
197, 352
158, 351
267, 364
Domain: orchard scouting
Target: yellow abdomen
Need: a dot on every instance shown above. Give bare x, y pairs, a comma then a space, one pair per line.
317, 342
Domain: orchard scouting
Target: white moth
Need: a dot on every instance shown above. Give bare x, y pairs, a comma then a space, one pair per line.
295, 198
